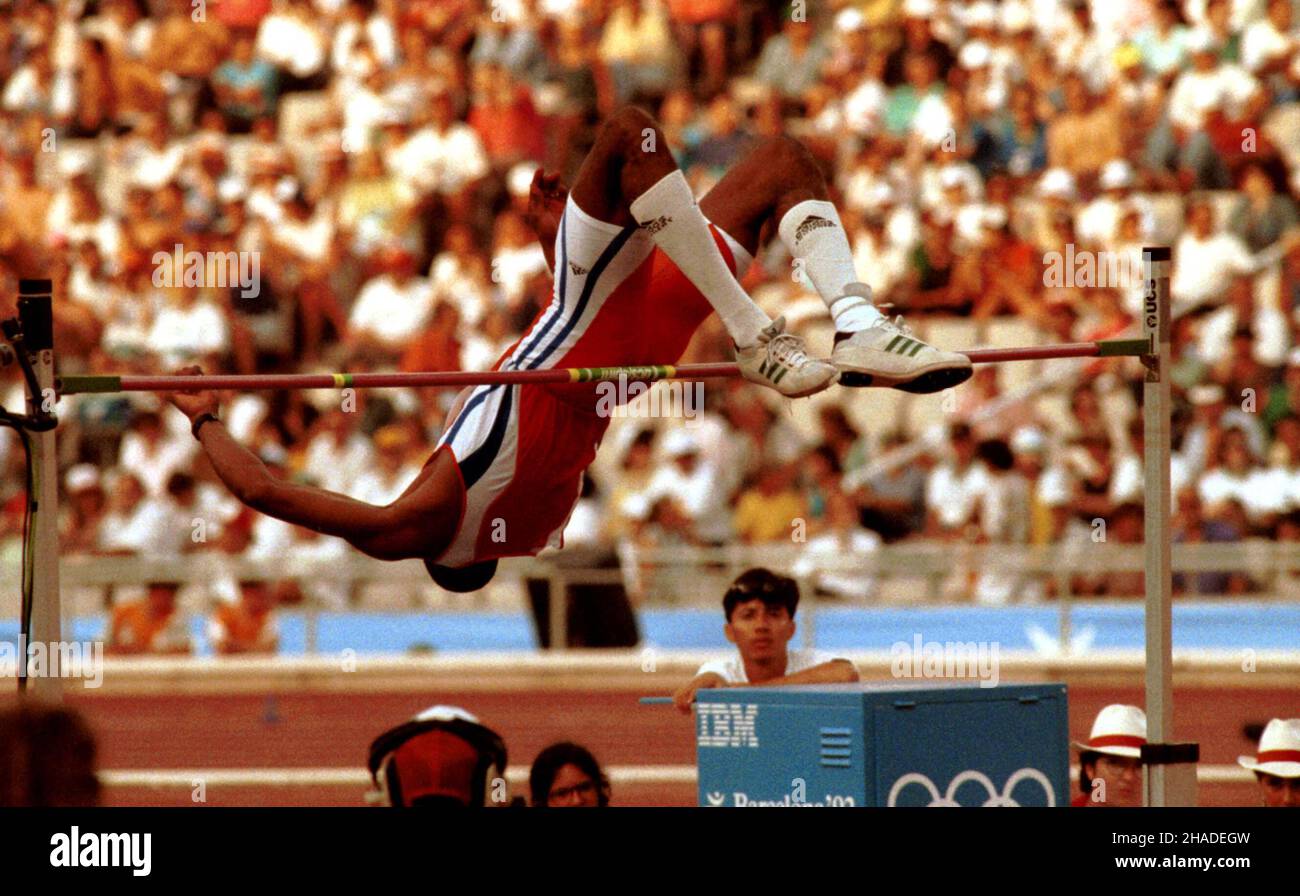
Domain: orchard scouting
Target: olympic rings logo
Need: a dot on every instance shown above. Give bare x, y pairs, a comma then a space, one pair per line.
995, 799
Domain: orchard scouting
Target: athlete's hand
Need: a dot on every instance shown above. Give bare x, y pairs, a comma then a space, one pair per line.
546, 197
193, 402
686, 696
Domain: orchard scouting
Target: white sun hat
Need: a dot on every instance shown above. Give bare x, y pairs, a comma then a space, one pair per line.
975, 54
1279, 750
1116, 174
1119, 730
1057, 182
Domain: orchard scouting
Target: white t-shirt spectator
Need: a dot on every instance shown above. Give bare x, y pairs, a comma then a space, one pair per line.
453, 282
310, 239
1195, 94
154, 168
180, 335
271, 539
391, 312
953, 496
291, 44
379, 33
884, 263
1272, 335
1251, 489
335, 467
1262, 43
24, 93
154, 528
1205, 268
700, 494
513, 267
440, 162
864, 107
363, 112
732, 669
1126, 481
154, 467
1097, 221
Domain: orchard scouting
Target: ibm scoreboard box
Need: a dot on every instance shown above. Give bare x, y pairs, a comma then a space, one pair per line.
883, 744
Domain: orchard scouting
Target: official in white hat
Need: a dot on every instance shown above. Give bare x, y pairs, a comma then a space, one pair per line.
1110, 767
1277, 765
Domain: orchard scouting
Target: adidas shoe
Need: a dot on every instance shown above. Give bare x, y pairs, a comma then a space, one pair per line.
780, 361
887, 354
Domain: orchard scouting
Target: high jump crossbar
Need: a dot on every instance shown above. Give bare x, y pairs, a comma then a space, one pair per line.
110, 383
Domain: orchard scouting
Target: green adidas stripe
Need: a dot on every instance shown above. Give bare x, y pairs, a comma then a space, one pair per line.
892, 343
916, 348
780, 373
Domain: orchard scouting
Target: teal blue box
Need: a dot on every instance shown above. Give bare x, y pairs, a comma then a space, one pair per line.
883, 744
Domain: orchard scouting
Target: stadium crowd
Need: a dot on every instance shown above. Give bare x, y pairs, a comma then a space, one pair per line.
369, 161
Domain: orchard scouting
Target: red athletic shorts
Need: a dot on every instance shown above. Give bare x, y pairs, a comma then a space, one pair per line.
521, 450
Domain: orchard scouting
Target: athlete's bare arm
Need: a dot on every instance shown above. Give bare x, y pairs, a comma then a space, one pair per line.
420, 523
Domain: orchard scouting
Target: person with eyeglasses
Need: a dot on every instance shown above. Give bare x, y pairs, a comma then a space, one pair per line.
566, 775
760, 607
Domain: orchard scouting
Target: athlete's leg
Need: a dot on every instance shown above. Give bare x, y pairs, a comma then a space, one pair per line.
779, 181
630, 177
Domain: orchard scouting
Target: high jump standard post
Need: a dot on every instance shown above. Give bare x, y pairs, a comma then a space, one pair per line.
1170, 768
35, 311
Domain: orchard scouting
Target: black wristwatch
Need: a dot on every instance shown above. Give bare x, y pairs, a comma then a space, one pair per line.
200, 420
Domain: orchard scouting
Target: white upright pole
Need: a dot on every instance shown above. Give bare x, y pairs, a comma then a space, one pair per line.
1159, 577
36, 314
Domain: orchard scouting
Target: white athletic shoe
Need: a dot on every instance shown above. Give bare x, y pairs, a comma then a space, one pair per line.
887, 354
780, 361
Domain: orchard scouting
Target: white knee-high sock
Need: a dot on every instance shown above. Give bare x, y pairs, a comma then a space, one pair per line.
813, 233
669, 212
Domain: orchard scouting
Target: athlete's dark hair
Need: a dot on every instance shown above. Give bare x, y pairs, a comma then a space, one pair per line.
555, 757
762, 584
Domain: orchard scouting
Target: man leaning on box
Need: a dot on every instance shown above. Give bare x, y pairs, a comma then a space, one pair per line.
760, 607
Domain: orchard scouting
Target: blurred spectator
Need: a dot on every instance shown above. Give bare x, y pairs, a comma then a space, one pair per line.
893, 503
637, 46
1263, 216
567, 775
771, 509
245, 87
151, 625
391, 307
1086, 135
692, 483
704, 29
247, 626
792, 60
86, 504
840, 540
955, 487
